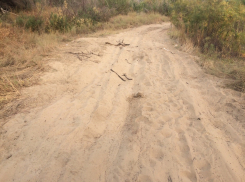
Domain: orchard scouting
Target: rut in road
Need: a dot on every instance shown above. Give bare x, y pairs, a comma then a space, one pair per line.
168, 122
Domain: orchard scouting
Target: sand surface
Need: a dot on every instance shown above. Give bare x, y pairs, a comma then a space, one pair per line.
165, 121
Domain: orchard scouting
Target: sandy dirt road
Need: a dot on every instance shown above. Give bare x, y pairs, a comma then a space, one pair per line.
167, 122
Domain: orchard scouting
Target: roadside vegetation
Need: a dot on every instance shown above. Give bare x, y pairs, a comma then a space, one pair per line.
217, 29
30, 29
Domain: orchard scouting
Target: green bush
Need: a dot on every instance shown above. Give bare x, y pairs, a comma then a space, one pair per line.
90, 13
120, 6
212, 25
138, 6
34, 23
20, 21
58, 23
105, 14
96, 14
161, 6
165, 8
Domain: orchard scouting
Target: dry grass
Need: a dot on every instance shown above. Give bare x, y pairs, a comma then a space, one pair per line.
22, 52
232, 69
21, 58
120, 22
182, 42
133, 20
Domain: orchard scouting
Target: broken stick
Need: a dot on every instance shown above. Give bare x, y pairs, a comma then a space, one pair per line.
127, 61
118, 75
127, 77
80, 53
119, 44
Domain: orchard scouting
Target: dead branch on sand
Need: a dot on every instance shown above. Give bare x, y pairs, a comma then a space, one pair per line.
120, 43
118, 75
127, 77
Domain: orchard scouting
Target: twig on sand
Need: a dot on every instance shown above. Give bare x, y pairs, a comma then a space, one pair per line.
108, 43
127, 77
79, 53
128, 62
95, 54
78, 57
91, 53
118, 75
169, 179
120, 43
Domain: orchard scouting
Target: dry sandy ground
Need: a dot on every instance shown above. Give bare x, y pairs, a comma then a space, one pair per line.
170, 123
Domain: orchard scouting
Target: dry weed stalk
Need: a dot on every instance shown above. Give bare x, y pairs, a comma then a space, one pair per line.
6, 78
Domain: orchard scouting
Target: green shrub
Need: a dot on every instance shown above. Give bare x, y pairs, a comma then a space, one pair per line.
160, 6
20, 21
96, 14
120, 6
138, 6
212, 25
34, 23
90, 13
58, 23
165, 8
105, 14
